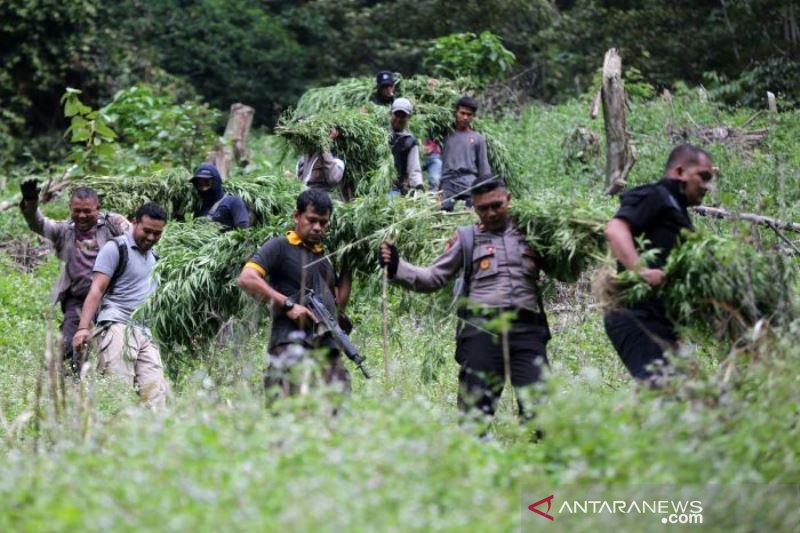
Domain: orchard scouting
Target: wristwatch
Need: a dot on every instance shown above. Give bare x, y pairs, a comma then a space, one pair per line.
288, 303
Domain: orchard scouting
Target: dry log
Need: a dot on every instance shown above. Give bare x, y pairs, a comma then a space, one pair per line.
619, 155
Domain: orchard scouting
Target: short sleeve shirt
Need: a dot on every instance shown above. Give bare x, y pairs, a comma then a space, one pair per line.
658, 212
132, 287
289, 268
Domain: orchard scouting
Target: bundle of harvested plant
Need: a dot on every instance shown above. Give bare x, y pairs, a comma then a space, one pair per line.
358, 92
270, 198
362, 142
415, 223
719, 285
125, 194
197, 274
265, 196
566, 233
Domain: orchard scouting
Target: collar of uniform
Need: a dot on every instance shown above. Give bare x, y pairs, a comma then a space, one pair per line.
131, 241
295, 240
676, 189
509, 227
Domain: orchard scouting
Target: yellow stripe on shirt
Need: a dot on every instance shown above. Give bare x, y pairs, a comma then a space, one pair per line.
258, 268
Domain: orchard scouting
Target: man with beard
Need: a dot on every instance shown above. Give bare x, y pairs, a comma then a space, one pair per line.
122, 281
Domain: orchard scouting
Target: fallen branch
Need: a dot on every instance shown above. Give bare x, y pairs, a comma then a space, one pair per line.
718, 212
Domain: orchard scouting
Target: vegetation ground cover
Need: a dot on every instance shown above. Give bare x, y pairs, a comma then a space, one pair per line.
397, 457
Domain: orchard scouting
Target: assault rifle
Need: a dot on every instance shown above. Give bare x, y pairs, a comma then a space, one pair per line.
333, 327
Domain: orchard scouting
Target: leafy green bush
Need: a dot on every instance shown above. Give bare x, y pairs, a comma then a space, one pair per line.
160, 131
480, 57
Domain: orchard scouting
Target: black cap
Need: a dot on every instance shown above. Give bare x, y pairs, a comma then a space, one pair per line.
384, 78
467, 101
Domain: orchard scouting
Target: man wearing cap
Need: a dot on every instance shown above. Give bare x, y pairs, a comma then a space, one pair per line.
465, 156
384, 88
404, 149
500, 274
657, 212
228, 210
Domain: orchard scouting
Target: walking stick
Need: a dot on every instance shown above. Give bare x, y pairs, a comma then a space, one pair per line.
386, 322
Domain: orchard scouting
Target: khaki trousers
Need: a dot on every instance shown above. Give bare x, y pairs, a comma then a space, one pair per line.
130, 353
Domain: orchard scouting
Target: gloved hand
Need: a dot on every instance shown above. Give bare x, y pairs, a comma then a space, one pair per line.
30, 189
389, 256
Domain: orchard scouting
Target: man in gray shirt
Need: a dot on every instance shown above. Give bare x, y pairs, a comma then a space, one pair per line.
465, 156
121, 282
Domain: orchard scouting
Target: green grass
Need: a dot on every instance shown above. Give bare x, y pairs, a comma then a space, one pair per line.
397, 457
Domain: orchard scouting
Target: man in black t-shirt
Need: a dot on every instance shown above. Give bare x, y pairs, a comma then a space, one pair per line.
282, 270
658, 211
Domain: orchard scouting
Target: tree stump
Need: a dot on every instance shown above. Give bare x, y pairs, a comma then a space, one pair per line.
620, 155
233, 147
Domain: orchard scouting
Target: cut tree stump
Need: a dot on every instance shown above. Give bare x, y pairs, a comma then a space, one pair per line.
620, 155
233, 147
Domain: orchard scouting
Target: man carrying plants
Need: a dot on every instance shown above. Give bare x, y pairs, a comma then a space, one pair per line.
384, 88
280, 274
122, 281
641, 333
405, 149
225, 209
465, 156
76, 242
500, 275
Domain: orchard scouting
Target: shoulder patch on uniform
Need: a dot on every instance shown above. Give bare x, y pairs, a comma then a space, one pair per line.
453, 240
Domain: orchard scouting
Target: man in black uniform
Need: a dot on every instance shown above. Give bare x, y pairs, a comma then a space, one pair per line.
642, 332
281, 271
500, 274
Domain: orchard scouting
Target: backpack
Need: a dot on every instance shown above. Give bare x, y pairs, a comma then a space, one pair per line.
122, 248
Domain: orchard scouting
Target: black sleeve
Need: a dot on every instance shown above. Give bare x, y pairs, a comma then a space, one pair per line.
269, 256
640, 207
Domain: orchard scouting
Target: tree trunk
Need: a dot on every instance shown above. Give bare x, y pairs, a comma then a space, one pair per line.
233, 147
620, 156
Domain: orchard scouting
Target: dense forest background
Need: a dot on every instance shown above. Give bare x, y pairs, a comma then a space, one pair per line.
268, 53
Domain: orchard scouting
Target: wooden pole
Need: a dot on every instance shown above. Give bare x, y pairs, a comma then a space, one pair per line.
386, 322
